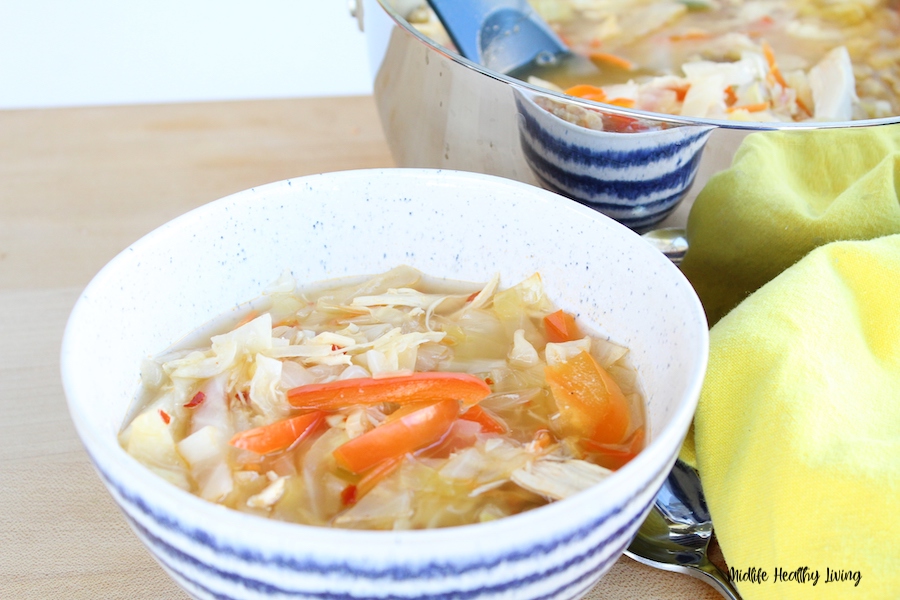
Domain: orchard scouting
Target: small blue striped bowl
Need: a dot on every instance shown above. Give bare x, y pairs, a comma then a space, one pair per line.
636, 178
206, 262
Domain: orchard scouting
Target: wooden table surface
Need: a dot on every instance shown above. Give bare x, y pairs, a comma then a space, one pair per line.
76, 187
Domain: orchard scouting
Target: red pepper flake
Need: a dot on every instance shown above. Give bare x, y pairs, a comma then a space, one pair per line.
242, 397
472, 296
165, 416
489, 381
335, 347
197, 400
348, 496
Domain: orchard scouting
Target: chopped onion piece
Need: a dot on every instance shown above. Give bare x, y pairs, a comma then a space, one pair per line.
559, 479
523, 353
561, 352
269, 496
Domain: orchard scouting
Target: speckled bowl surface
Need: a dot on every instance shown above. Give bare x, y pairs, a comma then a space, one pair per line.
458, 225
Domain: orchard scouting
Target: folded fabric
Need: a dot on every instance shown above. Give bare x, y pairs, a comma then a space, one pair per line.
797, 432
785, 194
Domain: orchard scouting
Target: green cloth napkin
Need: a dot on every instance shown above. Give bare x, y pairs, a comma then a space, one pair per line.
785, 194
797, 432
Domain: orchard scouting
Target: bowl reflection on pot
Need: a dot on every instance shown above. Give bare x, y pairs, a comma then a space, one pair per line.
637, 178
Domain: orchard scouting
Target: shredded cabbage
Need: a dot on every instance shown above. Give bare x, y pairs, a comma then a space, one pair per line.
217, 419
266, 395
740, 60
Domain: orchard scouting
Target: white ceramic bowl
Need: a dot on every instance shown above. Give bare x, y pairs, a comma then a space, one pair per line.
459, 225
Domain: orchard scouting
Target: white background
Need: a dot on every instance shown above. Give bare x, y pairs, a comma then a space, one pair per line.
99, 52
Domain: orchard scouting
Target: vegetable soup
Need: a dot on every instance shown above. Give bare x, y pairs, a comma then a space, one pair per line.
748, 60
398, 401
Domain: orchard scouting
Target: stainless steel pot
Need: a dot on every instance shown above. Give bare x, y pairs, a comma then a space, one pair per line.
439, 110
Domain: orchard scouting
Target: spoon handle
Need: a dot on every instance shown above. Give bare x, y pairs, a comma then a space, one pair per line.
502, 35
711, 574
671, 241
463, 20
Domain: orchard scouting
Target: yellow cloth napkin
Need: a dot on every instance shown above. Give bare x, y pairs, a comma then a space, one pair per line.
798, 428
797, 432
785, 194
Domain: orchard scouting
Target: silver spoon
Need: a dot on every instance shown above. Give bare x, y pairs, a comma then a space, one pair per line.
671, 241
676, 534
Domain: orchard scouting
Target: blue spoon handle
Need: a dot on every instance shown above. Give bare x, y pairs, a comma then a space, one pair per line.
463, 20
502, 35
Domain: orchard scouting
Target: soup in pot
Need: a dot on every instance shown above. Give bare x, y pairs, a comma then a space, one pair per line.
748, 60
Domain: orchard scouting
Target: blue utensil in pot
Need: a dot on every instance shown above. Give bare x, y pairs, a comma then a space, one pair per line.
503, 35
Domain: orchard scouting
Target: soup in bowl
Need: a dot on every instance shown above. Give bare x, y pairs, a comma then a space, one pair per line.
606, 284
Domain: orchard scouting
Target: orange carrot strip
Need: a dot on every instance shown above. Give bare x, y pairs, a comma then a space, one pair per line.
623, 102
611, 59
489, 423
773, 66
730, 96
775, 72
394, 439
694, 34
374, 475
590, 402
353, 493
405, 389
588, 92
560, 327
278, 435
681, 92
749, 107
802, 106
